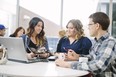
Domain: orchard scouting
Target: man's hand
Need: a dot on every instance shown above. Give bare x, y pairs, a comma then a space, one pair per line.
71, 55
62, 63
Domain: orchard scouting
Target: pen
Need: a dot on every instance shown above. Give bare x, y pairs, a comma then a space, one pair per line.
65, 49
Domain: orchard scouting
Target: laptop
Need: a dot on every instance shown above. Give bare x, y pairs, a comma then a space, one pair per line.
17, 51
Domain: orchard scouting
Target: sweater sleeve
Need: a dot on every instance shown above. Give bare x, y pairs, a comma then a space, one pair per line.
46, 44
86, 45
59, 45
26, 41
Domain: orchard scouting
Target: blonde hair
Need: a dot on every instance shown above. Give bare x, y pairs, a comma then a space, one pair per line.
78, 26
62, 33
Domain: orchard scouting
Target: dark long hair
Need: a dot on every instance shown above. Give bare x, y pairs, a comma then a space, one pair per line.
40, 38
17, 30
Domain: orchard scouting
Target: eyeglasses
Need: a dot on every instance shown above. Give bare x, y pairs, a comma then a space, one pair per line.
91, 24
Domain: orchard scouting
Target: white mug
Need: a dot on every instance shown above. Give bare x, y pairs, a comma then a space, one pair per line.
61, 56
83, 59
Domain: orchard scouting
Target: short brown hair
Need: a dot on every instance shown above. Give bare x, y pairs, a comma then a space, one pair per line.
101, 18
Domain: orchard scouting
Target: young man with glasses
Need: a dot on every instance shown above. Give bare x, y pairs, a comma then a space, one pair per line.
101, 60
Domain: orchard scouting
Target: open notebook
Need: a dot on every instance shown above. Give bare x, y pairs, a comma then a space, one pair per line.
16, 50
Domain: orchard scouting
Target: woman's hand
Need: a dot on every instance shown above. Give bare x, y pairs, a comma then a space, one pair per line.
30, 55
44, 55
56, 54
71, 55
62, 63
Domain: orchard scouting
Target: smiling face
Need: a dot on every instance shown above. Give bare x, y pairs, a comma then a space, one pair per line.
71, 31
20, 33
38, 27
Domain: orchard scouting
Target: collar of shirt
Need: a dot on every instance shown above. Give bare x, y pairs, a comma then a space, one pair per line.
102, 38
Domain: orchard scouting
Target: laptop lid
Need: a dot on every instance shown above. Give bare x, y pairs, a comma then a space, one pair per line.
15, 48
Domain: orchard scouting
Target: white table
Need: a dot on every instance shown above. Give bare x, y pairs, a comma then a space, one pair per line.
40, 69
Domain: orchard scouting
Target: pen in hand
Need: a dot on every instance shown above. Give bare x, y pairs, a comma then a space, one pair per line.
65, 49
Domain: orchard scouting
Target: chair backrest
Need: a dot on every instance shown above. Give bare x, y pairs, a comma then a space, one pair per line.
52, 42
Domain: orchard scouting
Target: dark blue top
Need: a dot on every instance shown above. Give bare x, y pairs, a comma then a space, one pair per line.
80, 46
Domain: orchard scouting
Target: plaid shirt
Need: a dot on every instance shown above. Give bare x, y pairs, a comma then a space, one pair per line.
101, 58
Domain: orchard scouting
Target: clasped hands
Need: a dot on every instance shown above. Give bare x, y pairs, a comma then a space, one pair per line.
41, 53
69, 56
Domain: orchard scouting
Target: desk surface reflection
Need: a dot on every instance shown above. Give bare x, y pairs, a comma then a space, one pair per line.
39, 69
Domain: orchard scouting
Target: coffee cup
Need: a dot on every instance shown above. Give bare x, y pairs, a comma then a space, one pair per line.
83, 59
61, 56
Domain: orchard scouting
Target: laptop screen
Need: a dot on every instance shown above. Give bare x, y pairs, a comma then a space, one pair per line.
15, 48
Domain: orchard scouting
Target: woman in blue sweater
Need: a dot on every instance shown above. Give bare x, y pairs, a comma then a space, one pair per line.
74, 42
